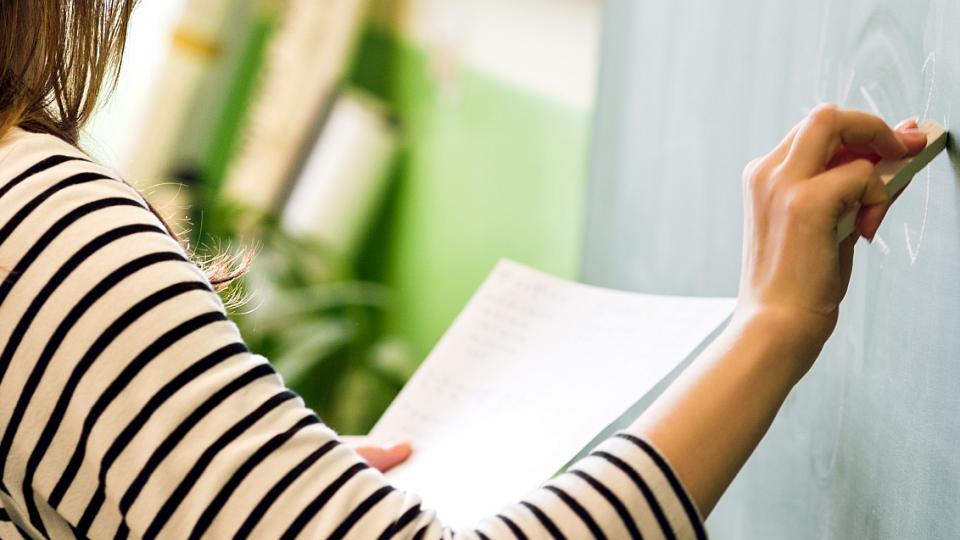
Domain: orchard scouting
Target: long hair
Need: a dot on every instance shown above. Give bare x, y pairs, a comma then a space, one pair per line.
57, 57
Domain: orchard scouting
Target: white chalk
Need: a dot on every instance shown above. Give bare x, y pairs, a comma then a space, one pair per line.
897, 173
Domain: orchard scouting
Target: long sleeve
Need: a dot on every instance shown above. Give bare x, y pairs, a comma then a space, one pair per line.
130, 406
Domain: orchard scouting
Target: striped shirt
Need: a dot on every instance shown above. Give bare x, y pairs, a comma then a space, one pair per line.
130, 406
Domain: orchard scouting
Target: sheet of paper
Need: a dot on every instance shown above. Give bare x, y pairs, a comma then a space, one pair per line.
531, 370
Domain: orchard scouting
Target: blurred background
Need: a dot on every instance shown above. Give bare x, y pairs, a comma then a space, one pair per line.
379, 155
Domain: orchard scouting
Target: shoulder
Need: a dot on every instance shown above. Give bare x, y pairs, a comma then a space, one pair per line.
57, 204
22, 153
31, 163
44, 180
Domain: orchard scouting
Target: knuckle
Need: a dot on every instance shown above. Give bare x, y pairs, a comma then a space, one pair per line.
761, 173
797, 202
779, 173
751, 171
824, 114
862, 168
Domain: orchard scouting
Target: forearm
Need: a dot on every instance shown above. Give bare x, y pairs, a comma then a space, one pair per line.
710, 420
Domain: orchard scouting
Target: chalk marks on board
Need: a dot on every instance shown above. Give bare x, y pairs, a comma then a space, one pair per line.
846, 88
881, 245
876, 78
929, 65
820, 85
872, 103
914, 251
829, 405
883, 74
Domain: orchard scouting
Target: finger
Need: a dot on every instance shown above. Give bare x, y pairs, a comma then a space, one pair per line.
871, 217
828, 127
846, 261
914, 139
869, 220
911, 137
849, 185
384, 458
846, 154
775, 156
779, 153
909, 123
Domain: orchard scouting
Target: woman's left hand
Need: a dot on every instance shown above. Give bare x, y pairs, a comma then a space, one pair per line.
382, 457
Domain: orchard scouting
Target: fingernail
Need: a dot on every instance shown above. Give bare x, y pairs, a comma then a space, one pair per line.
913, 133
908, 123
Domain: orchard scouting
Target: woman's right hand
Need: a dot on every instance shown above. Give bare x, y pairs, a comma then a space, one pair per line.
794, 273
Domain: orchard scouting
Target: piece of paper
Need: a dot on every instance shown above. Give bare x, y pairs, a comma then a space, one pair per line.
528, 374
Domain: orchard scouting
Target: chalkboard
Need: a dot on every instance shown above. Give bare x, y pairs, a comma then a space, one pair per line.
868, 445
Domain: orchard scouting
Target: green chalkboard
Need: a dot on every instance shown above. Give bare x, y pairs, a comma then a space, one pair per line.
868, 445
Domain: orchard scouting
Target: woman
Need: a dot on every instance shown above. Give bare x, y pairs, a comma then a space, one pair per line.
129, 405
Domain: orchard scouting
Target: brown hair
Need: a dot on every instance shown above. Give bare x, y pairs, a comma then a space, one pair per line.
56, 59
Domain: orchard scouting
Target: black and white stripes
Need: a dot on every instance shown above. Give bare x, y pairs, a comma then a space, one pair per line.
130, 407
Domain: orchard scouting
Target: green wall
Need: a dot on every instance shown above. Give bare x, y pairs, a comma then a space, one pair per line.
488, 171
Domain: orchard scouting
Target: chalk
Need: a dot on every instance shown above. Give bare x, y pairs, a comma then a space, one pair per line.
897, 173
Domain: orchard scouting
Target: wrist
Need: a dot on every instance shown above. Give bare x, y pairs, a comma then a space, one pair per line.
790, 338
